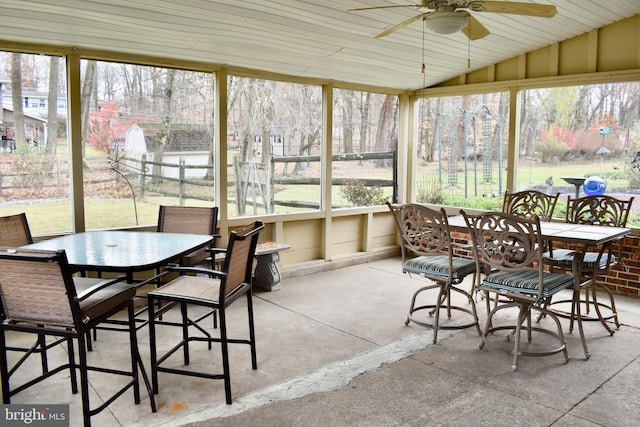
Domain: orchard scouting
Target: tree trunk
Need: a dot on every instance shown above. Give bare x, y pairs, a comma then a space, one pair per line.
163, 135
387, 138
16, 98
85, 101
52, 112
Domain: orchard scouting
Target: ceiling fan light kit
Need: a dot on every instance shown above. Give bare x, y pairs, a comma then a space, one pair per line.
446, 22
451, 16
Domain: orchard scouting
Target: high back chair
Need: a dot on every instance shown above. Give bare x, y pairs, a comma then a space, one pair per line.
14, 230
528, 203
509, 247
602, 211
217, 291
39, 296
189, 219
428, 251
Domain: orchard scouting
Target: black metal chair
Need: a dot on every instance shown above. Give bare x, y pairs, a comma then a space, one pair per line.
39, 296
509, 246
428, 251
217, 292
193, 220
593, 210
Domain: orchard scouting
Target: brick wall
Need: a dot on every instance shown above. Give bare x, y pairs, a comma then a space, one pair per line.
622, 279
625, 279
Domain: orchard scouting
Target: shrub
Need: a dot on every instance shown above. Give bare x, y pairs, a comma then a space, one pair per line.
429, 191
359, 194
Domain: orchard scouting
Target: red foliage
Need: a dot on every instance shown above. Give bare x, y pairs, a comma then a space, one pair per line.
107, 126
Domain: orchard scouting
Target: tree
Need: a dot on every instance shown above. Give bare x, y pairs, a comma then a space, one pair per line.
165, 126
52, 112
16, 98
88, 84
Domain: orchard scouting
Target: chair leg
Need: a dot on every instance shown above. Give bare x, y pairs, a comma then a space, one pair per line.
185, 332
73, 375
612, 306
252, 334
436, 320
225, 356
152, 347
4, 369
516, 344
84, 380
135, 356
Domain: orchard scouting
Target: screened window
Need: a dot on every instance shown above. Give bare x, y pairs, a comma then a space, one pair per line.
147, 140
274, 147
365, 139
34, 168
581, 140
462, 150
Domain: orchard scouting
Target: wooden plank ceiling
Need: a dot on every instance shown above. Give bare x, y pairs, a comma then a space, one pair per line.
308, 38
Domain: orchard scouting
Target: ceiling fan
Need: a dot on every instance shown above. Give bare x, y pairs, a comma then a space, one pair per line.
450, 16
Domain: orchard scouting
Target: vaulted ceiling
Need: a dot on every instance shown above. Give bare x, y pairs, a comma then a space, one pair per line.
305, 38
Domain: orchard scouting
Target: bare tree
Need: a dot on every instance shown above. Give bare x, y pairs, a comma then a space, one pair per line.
16, 98
87, 89
52, 112
162, 139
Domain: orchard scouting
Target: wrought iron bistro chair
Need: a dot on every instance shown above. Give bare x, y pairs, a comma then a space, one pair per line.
593, 210
528, 203
216, 292
428, 251
39, 296
509, 247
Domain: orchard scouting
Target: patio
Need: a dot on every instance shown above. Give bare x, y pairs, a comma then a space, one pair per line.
333, 350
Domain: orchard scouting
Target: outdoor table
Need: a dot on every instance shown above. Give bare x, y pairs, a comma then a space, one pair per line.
583, 236
124, 251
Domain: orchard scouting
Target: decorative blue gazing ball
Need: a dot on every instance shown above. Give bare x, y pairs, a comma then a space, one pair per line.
594, 186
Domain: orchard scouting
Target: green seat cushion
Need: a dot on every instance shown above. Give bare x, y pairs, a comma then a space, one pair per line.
527, 282
438, 266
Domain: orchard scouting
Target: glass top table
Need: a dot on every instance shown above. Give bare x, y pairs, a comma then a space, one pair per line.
124, 251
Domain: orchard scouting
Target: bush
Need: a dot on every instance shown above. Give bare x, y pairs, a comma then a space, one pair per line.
359, 194
429, 191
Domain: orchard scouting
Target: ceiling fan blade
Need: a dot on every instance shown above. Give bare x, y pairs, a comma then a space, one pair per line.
517, 8
474, 30
385, 7
401, 25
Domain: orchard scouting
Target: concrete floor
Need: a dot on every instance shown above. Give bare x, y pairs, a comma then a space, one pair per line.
333, 350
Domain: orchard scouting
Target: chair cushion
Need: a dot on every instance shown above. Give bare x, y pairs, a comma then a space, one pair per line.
562, 258
105, 299
438, 266
526, 282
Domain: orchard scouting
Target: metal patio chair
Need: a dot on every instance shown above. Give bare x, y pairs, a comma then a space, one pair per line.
39, 295
509, 247
428, 251
599, 210
216, 292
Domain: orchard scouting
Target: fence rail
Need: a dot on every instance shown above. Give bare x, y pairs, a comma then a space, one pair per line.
140, 176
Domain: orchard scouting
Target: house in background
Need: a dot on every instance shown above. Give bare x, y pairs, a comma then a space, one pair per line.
187, 143
35, 129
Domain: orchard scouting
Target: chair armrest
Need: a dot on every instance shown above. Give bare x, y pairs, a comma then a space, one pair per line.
207, 271
98, 287
216, 250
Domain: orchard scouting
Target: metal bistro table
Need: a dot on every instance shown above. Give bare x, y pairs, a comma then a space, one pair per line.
582, 235
124, 251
